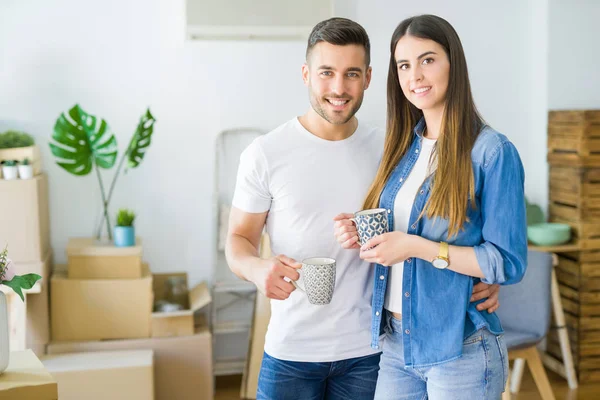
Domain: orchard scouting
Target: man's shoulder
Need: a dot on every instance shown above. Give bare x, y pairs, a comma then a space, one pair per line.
277, 137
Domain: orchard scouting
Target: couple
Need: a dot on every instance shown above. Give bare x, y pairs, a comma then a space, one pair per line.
454, 191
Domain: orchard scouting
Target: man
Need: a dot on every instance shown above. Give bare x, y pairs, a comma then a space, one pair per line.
295, 180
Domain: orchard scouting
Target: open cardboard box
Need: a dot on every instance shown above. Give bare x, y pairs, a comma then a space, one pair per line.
177, 323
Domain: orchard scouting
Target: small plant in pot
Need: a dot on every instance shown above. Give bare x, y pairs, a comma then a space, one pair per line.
25, 169
9, 169
125, 231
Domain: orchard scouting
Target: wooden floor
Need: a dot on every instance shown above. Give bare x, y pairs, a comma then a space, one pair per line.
228, 388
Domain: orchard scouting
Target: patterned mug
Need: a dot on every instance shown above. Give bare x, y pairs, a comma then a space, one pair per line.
318, 274
370, 223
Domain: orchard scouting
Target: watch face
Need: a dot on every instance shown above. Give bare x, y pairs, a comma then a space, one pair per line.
439, 263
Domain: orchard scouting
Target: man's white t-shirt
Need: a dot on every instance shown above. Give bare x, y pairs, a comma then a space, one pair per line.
304, 182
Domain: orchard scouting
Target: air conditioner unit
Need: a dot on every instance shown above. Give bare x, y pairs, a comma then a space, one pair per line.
254, 19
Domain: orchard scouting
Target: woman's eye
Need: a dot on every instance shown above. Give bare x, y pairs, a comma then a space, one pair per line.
403, 67
427, 61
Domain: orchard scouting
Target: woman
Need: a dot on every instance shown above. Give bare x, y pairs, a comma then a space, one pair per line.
454, 191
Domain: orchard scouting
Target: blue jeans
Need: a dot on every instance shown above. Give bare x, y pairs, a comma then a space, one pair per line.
354, 379
480, 373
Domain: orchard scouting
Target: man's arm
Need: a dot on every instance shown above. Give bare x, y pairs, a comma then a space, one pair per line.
241, 250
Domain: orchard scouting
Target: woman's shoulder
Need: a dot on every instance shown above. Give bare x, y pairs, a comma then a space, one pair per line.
489, 145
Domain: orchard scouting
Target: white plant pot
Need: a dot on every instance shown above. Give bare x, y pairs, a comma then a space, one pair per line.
4, 339
25, 171
10, 172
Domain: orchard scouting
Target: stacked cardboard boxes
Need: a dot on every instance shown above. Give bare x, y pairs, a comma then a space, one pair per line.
105, 293
25, 229
574, 158
103, 301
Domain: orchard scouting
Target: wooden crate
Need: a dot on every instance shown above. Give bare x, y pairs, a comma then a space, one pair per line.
574, 138
575, 199
578, 275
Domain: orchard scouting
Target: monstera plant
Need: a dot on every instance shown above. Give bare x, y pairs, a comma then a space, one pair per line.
83, 142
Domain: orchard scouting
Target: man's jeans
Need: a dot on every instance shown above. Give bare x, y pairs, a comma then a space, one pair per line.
480, 373
353, 379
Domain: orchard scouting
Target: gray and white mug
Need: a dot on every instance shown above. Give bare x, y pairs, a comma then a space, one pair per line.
318, 274
370, 223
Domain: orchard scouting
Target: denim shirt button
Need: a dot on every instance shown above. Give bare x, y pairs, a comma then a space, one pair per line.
407, 332
377, 313
382, 277
422, 191
401, 179
414, 226
406, 294
408, 261
417, 150
389, 211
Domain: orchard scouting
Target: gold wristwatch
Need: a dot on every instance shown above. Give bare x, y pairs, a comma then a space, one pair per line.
442, 261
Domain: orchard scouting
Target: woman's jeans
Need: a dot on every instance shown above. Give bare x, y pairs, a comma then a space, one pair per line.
480, 373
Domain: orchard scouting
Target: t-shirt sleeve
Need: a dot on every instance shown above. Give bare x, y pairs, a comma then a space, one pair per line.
252, 193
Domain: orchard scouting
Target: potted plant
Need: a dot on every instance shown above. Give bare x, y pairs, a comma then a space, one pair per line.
16, 145
125, 231
17, 283
83, 142
25, 169
9, 169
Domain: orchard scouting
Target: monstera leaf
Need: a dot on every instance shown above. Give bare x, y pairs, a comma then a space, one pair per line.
141, 140
82, 141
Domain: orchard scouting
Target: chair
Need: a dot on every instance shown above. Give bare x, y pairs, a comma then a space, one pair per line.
525, 315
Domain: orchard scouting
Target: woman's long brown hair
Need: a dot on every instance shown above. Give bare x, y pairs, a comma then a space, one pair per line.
453, 182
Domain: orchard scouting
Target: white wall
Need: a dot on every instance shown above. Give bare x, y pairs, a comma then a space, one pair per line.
505, 46
574, 75
116, 57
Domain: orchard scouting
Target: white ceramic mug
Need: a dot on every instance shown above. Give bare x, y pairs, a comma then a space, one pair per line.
318, 274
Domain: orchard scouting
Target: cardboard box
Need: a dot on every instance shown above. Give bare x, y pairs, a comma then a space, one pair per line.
92, 259
96, 309
27, 379
114, 375
29, 323
177, 323
25, 223
182, 365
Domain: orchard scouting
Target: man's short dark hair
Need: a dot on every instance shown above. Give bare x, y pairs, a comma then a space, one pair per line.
340, 32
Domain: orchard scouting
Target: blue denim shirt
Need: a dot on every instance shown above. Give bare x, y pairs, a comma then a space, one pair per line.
437, 314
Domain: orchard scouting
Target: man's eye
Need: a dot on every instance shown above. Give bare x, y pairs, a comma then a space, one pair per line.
326, 73
353, 75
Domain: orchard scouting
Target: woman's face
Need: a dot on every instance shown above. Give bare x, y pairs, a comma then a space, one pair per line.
423, 72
